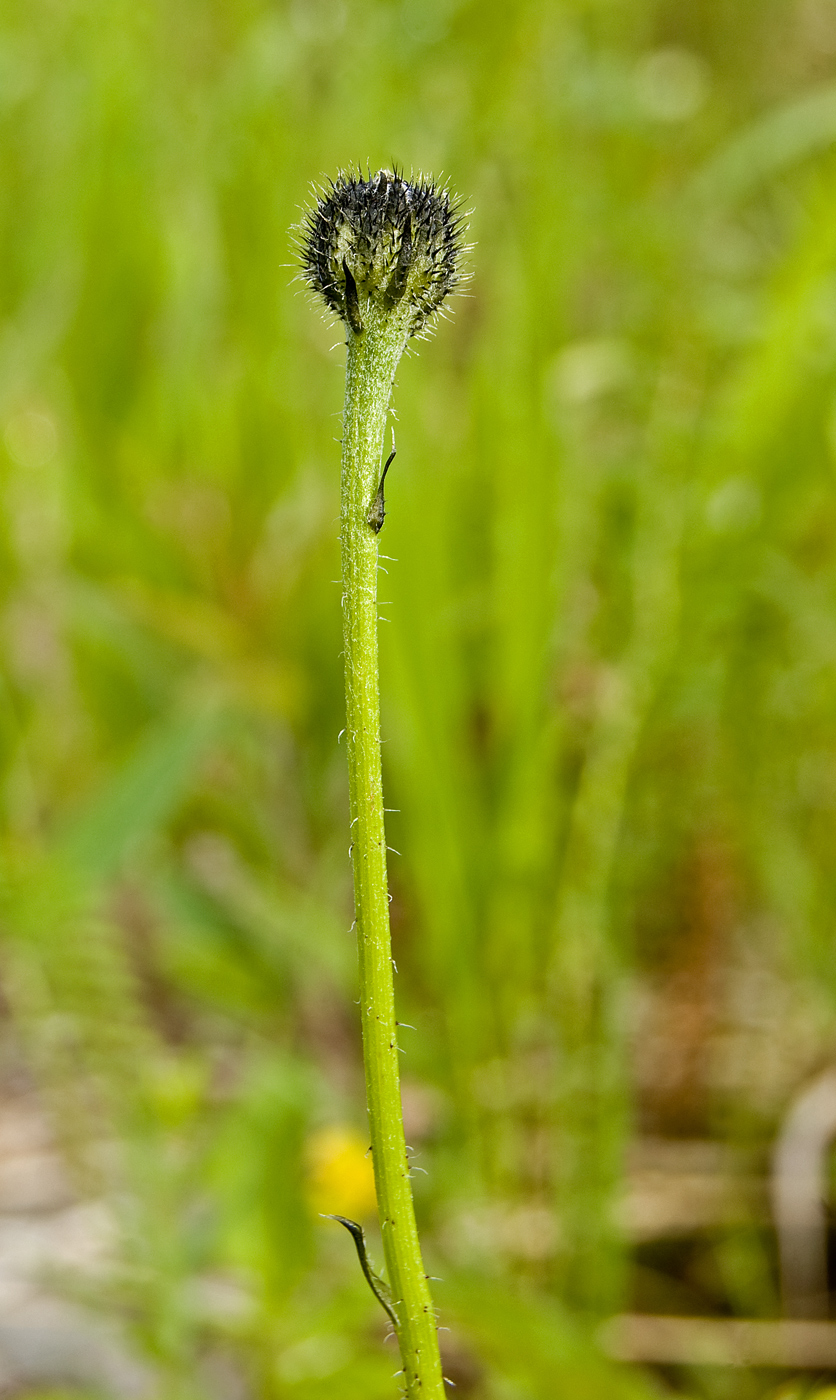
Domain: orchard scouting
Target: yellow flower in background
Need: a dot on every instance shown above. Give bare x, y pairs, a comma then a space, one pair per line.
340, 1179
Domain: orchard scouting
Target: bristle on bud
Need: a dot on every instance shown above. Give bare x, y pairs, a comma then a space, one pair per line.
385, 241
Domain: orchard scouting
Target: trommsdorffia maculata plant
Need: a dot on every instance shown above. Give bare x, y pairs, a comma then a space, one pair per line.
384, 253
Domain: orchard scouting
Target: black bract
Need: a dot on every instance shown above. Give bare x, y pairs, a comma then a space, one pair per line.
383, 240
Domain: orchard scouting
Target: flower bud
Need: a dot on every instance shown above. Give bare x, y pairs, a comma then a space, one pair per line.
383, 242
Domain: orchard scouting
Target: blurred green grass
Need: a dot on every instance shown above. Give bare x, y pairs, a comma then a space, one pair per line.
609, 691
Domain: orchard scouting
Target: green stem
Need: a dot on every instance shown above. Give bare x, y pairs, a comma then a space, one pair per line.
373, 357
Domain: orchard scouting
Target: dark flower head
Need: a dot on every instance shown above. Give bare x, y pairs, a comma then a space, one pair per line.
385, 241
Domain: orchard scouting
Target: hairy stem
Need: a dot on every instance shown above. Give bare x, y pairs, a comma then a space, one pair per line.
373, 356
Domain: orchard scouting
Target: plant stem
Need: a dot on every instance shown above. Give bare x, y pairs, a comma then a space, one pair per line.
373, 356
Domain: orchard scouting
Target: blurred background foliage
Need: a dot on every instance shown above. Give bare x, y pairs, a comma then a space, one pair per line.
608, 659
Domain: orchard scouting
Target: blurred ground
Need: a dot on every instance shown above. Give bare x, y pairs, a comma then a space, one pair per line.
52, 1245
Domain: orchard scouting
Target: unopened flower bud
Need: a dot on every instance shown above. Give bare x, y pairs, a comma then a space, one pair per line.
385, 243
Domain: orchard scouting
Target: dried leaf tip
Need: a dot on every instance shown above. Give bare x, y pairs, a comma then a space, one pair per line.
385, 241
